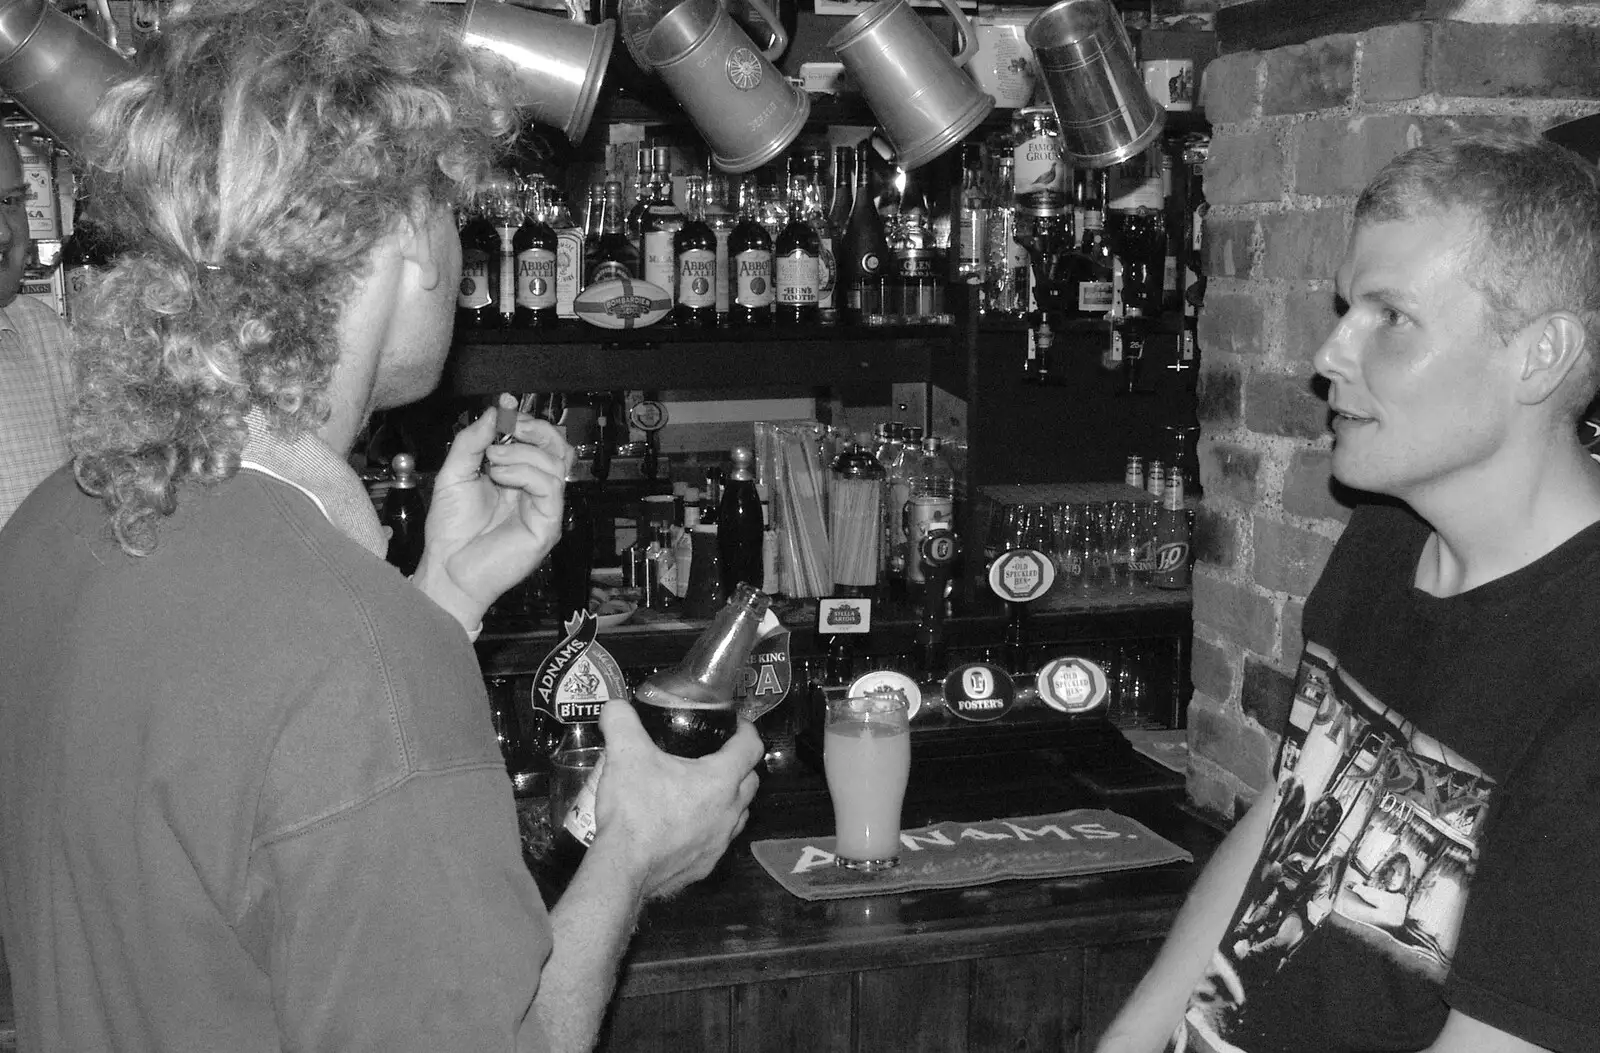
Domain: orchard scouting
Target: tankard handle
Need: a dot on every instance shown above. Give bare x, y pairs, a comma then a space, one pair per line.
964, 34
780, 39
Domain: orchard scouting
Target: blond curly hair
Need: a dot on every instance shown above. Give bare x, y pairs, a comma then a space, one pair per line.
259, 153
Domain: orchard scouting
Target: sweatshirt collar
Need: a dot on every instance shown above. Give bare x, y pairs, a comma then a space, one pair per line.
313, 467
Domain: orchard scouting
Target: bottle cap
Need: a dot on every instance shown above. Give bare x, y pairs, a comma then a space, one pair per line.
404, 467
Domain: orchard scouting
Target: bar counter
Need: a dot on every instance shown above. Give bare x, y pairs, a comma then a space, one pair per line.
738, 963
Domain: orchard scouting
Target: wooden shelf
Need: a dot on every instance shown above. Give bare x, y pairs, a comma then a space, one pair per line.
575, 356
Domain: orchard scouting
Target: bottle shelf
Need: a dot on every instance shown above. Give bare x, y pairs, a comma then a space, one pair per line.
575, 356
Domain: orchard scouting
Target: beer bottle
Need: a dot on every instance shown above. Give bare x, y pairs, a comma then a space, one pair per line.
572, 559
688, 710
1171, 570
404, 512
750, 255
863, 251
740, 524
535, 248
659, 226
797, 258
644, 191
480, 260
614, 255
695, 247
569, 252
831, 229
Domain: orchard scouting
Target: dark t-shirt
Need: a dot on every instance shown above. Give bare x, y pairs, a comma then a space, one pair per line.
1436, 828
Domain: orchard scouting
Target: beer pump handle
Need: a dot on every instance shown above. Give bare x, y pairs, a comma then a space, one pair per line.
1016, 638
938, 552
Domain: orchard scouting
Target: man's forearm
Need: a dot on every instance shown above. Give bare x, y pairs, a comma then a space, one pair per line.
1156, 1005
592, 924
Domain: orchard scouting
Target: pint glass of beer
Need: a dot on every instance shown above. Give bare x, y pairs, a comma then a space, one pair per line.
866, 755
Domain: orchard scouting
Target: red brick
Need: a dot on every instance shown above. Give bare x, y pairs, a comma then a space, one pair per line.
1302, 244
1213, 793
1339, 155
1287, 558
1216, 538
1284, 404
1227, 737
1393, 63
1211, 669
1310, 491
1228, 90
1265, 695
1229, 247
1235, 613
1539, 61
1306, 77
1308, 318
1229, 470
1220, 398
1241, 169
1232, 322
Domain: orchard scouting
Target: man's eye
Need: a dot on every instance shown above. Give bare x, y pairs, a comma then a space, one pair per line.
1390, 317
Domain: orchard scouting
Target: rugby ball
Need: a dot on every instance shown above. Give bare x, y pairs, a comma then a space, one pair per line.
622, 303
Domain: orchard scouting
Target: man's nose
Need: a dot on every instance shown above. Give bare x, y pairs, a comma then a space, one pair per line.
1333, 358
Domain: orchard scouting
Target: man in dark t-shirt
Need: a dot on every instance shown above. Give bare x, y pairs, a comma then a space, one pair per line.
1418, 876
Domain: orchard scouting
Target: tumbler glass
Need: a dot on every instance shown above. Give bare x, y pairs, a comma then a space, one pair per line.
866, 756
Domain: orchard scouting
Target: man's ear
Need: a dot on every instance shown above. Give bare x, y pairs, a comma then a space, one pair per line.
1554, 349
418, 235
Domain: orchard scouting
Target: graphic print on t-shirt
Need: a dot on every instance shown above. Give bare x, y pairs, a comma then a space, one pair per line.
1371, 846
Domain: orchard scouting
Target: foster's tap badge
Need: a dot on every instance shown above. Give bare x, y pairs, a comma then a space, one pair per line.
979, 692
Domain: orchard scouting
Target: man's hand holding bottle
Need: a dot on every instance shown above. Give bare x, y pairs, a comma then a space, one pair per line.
669, 819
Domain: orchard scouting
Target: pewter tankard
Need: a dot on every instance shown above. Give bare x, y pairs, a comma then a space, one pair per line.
55, 69
747, 112
924, 101
1082, 52
560, 62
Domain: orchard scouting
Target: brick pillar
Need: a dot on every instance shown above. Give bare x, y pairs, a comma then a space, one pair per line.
1298, 131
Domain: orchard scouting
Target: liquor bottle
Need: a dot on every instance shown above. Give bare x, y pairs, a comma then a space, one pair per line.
899, 471
820, 216
571, 560
750, 264
912, 250
569, 252
711, 497
797, 260
695, 249
721, 219
404, 512
1006, 287
660, 224
1193, 258
536, 250
644, 191
1093, 278
772, 203
931, 503
740, 523
863, 251
87, 251
972, 224
1171, 559
505, 211
1137, 230
614, 255
480, 260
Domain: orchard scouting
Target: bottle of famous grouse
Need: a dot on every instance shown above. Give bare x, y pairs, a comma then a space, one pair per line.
688, 710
